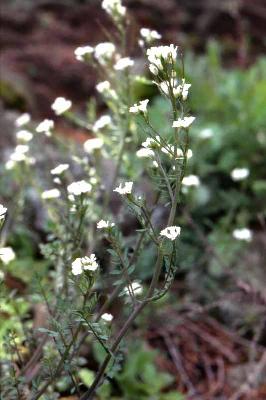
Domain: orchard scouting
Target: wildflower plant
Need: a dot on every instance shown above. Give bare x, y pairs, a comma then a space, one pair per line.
79, 217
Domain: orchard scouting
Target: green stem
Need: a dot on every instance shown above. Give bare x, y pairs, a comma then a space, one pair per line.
90, 393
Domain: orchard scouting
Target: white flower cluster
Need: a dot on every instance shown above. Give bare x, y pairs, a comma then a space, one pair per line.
59, 169
177, 90
50, 194
148, 146
170, 151
78, 188
46, 126
3, 211
123, 63
24, 136
140, 107
145, 152
101, 123
191, 180
22, 120
82, 52
160, 55
151, 144
104, 224
88, 263
59, 106
93, 144
239, 174
148, 36
105, 89
107, 317
20, 154
114, 8
7, 255
243, 234
124, 189
183, 122
171, 232
102, 52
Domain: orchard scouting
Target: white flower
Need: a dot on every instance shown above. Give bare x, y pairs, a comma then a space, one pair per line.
82, 51
144, 152
107, 317
114, 8
164, 86
21, 148
238, 174
59, 169
18, 155
57, 181
160, 54
7, 255
104, 86
136, 288
93, 144
61, 105
123, 63
50, 194
243, 234
206, 133
139, 107
102, 122
191, 180
171, 232
149, 35
23, 119
178, 90
105, 89
182, 90
78, 188
170, 151
104, 52
3, 211
104, 224
185, 88
45, 127
126, 189
151, 143
183, 123
24, 135
10, 164
77, 266
154, 69
88, 263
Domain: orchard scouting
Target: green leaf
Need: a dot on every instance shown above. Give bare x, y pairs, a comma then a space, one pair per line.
86, 376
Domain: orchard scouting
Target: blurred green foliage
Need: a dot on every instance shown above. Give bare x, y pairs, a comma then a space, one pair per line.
140, 379
229, 132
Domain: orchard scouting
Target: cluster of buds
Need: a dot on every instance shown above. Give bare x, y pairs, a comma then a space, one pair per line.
115, 9
148, 36
160, 57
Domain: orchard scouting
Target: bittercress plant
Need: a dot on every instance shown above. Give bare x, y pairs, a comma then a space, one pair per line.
82, 287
